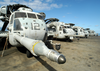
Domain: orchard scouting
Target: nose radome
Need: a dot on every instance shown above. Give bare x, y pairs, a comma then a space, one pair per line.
61, 59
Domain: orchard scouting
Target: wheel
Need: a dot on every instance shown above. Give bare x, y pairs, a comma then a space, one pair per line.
85, 36
22, 49
58, 47
29, 54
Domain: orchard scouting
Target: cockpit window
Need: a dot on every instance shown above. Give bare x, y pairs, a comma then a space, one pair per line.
31, 15
68, 26
17, 25
20, 15
40, 17
75, 29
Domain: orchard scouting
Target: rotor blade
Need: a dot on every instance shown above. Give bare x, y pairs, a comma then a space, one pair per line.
4, 26
51, 20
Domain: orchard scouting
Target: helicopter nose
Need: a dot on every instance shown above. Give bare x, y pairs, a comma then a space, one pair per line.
61, 59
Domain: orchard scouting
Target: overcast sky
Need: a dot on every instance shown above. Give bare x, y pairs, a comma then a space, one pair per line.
83, 13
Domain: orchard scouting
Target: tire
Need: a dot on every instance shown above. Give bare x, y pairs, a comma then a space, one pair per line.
29, 54
8, 45
85, 36
58, 47
22, 49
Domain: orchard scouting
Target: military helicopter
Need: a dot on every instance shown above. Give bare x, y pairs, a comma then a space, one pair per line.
91, 32
79, 31
86, 33
27, 28
59, 30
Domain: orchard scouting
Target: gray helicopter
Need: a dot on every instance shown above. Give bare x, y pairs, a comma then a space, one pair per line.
27, 28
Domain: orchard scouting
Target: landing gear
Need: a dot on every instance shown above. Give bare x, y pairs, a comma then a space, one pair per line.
22, 49
49, 45
29, 54
85, 36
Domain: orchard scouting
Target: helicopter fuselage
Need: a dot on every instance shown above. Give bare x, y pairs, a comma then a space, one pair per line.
26, 24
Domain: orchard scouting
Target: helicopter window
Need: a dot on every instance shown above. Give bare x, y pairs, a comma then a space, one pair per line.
20, 14
11, 19
17, 25
64, 31
80, 30
75, 29
26, 23
65, 26
60, 28
68, 27
53, 28
40, 17
31, 15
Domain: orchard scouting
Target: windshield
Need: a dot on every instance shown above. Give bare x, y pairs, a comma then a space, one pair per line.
40, 17
67, 26
30, 15
20, 15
